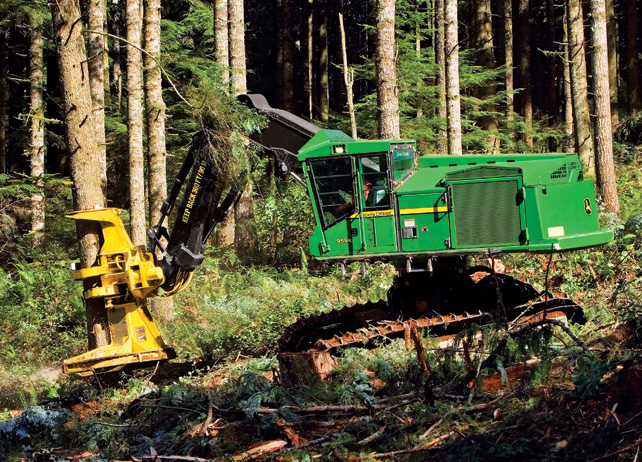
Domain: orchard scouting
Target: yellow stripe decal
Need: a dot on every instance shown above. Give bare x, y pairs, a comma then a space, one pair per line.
423, 210
389, 213
374, 213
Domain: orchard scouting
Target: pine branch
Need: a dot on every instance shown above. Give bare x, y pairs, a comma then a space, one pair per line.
171, 82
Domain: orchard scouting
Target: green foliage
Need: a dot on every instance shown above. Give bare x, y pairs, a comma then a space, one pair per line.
230, 309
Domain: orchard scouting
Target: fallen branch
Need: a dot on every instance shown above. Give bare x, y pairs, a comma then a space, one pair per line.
323, 439
375, 436
431, 430
424, 447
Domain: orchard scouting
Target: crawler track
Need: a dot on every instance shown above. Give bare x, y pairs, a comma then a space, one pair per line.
495, 298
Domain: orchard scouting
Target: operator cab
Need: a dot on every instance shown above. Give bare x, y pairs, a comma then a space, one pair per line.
352, 185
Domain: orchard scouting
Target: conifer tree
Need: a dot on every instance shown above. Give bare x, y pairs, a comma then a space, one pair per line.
81, 144
579, 85
96, 50
386, 67
135, 123
453, 104
603, 132
3, 100
36, 151
221, 31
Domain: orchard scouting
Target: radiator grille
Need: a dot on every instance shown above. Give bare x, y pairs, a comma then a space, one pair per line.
486, 213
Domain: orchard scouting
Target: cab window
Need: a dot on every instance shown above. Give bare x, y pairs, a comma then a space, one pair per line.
376, 190
332, 179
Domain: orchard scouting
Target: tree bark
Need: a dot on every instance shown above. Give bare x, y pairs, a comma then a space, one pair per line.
155, 111
510, 66
486, 59
81, 144
525, 67
244, 231
632, 59
285, 54
117, 73
322, 79
551, 73
237, 47
222, 37
440, 81
604, 166
135, 124
386, 68
568, 94
3, 101
36, 151
453, 103
348, 78
309, 60
579, 86
613, 59
96, 49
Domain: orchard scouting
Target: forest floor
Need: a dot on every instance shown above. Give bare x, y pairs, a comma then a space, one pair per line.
577, 407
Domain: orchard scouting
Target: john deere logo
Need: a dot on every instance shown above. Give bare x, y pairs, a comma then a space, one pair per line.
587, 206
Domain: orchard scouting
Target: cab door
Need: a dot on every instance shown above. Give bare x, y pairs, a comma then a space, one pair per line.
376, 214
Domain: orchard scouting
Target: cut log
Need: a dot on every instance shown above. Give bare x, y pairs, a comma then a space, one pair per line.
305, 368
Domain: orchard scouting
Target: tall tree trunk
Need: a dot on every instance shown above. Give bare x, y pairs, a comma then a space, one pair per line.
613, 61
36, 150
551, 73
96, 49
486, 59
237, 47
440, 81
81, 144
135, 124
568, 93
244, 233
348, 78
579, 85
525, 67
631, 56
285, 53
222, 37
510, 66
453, 103
117, 72
604, 166
309, 59
386, 68
155, 111
322, 78
3, 101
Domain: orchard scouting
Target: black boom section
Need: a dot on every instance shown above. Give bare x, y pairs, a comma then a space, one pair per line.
197, 214
285, 134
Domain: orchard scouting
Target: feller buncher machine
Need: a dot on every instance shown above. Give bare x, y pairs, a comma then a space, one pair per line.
372, 201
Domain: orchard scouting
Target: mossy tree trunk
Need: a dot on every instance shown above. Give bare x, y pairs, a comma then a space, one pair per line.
525, 68
96, 50
3, 101
222, 37
579, 86
155, 112
604, 166
135, 123
453, 103
36, 151
386, 71
81, 144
